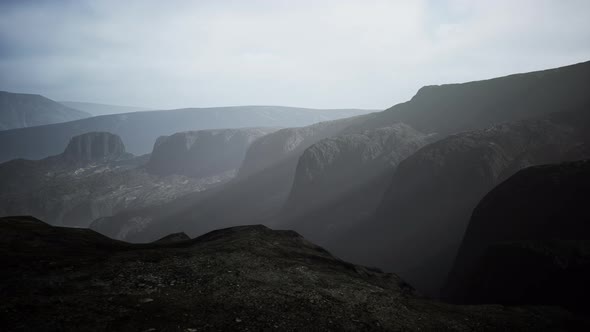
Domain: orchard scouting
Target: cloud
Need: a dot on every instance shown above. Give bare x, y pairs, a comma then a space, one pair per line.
303, 53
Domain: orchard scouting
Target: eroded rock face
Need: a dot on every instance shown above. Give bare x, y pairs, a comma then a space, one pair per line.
528, 241
94, 147
202, 153
236, 279
336, 165
420, 223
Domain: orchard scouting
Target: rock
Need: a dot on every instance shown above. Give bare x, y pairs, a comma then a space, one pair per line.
176, 237
94, 147
528, 241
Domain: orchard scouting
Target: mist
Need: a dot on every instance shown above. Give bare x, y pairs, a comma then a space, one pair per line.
323, 54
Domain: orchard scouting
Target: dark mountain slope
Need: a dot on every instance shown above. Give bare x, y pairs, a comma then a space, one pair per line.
533, 230
242, 278
423, 215
19, 110
139, 130
452, 108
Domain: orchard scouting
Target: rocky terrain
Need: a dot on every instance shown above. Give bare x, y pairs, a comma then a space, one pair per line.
243, 278
94, 177
420, 222
528, 241
20, 110
139, 130
203, 153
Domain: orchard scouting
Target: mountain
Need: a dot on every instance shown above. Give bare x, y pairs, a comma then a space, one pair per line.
256, 194
102, 109
19, 110
260, 192
337, 191
95, 177
528, 241
241, 278
419, 224
203, 153
139, 130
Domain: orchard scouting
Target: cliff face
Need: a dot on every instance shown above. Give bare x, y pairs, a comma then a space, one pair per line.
247, 278
418, 227
528, 241
94, 147
202, 153
19, 110
335, 167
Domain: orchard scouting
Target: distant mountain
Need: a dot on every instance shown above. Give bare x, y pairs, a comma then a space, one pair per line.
19, 110
528, 241
247, 278
102, 109
139, 130
337, 166
95, 177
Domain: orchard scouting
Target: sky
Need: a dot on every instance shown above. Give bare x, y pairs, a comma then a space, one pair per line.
324, 54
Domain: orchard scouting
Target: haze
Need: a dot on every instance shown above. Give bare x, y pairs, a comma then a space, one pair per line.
325, 54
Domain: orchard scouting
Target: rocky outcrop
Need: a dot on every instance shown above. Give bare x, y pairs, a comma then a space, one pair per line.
19, 110
337, 165
348, 168
94, 147
202, 153
172, 238
237, 279
289, 143
420, 223
528, 241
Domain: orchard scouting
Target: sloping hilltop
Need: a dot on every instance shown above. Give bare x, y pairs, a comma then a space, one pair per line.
241, 278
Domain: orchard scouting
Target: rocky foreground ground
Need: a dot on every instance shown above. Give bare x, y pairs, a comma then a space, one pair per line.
242, 278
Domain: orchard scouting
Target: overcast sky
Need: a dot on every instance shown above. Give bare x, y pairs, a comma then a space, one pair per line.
325, 54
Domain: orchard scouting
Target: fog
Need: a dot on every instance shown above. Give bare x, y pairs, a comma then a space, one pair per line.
325, 54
